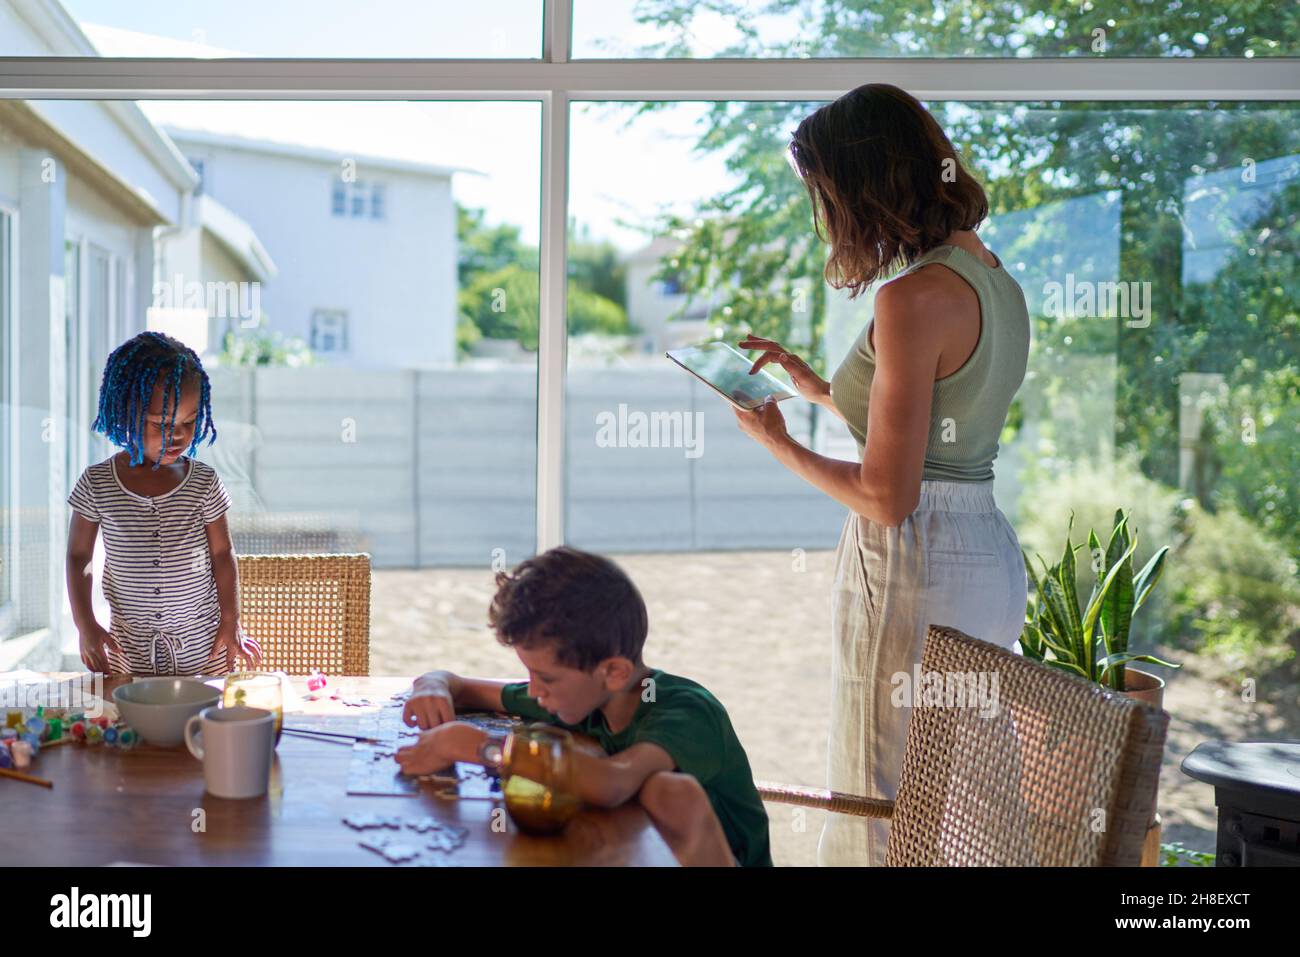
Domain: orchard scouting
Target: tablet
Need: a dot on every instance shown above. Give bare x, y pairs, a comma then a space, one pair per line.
726, 371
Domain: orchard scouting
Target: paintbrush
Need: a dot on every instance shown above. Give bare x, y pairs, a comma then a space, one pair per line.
30, 779
341, 738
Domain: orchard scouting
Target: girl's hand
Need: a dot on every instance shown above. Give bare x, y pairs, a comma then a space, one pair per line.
765, 423
234, 644
807, 383
94, 639
431, 753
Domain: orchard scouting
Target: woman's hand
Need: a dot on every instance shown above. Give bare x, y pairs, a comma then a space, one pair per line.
807, 383
233, 644
94, 639
765, 424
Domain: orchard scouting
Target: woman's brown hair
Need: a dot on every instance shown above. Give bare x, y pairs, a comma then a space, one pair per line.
884, 180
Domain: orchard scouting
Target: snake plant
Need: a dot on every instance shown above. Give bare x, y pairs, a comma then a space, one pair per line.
1091, 641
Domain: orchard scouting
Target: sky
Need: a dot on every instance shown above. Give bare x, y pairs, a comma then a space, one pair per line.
615, 173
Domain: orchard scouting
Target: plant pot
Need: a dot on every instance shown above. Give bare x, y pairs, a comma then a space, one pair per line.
1144, 687
1150, 690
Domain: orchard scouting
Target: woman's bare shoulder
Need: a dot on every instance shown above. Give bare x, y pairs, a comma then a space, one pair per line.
933, 284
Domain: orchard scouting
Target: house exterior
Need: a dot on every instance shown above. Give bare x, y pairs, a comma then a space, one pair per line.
365, 246
210, 277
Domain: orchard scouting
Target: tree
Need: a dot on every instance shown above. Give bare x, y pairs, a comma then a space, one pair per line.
499, 296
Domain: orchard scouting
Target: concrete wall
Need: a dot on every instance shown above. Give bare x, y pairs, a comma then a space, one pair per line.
438, 467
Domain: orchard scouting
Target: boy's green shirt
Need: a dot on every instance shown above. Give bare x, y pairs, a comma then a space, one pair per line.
692, 726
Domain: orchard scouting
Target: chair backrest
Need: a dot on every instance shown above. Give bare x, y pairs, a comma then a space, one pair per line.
308, 611
1044, 768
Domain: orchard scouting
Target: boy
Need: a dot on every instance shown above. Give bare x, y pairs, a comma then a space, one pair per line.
578, 624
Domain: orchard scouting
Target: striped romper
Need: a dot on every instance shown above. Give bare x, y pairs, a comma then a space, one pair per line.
157, 569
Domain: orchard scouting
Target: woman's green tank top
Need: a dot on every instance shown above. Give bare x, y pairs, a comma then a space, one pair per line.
969, 407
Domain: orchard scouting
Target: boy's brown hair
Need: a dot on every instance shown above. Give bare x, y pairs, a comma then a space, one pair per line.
580, 604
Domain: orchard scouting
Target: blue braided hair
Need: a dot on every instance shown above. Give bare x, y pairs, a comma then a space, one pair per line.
130, 376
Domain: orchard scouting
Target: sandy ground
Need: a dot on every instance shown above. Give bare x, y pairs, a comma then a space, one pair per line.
760, 641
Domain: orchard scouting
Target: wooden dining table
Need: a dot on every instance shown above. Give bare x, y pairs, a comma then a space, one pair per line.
148, 805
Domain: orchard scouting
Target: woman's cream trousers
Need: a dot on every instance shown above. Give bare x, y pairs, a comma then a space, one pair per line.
954, 561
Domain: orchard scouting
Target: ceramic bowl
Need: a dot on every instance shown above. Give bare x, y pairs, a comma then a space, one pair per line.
157, 708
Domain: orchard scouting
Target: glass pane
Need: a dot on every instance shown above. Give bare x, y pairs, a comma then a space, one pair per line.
289, 28
373, 377
1177, 399
874, 28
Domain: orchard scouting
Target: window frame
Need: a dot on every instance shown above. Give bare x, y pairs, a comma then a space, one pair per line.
9, 405
556, 80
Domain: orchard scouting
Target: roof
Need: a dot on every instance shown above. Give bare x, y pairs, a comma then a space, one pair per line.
236, 236
32, 124
332, 157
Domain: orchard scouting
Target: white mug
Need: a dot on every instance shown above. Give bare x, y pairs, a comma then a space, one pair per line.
238, 745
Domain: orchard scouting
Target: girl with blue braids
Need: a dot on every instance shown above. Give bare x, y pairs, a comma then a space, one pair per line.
169, 568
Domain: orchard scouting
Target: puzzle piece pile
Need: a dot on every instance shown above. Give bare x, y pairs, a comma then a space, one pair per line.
373, 769
400, 848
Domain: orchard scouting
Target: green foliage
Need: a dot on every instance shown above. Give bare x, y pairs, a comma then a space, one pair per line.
1230, 589
1043, 28
1251, 447
1175, 855
592, 312
597, 268
1093, 641
483, 248
503, 304
467, 334
499, 291
1237, 596
263, 347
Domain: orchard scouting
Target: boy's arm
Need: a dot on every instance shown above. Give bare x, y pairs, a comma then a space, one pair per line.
614, 779
438, 695
602, 780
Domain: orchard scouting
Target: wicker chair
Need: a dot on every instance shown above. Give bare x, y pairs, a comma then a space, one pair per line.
308, 611
1064, 774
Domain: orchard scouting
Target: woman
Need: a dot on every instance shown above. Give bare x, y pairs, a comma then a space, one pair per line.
925, 392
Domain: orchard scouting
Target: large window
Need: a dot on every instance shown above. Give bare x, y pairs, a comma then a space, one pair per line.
432, 258
373, 377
